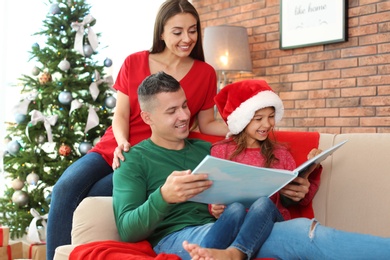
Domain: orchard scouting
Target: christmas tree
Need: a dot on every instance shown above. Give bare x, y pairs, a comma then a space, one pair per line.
66, 105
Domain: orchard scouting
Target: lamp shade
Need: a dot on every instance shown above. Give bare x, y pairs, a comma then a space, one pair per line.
226, 48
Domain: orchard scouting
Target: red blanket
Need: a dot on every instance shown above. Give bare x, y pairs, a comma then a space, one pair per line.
300, 144
115, 250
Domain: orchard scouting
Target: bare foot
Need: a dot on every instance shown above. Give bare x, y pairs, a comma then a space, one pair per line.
199, 253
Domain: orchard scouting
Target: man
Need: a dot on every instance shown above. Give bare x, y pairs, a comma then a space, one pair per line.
153, 185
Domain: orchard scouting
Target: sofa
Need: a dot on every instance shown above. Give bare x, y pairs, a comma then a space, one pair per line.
353, 194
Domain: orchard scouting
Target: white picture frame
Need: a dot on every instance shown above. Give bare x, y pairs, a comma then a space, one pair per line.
312, 22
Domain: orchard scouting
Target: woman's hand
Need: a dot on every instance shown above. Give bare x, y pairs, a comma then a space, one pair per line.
118, 154
297, 189
217, 210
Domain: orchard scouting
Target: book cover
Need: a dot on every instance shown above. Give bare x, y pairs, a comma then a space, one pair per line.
237, 182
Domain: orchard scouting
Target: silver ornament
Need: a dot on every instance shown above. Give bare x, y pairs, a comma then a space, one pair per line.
87, 50
40, 139
20, 198
55, 9
65, 97
64, 40
20, 118
32, 179
35, 71
64, 65
85, 147
17, 184
107, 62
110, 102
13, 147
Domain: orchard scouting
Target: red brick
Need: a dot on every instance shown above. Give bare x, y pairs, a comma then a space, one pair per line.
307, 85
293, 95
374, 59
351, 130
383, 111
384, 90
374, 18
341, 63
316, 103
359, 51
342, 102
358, 72
358, 92
324, 112
294, 59
341, 121
375, 101
324, 93
314, 66
374, 39
340, 83
279, 70
309, 122
373, 80
357, 111
375, 121
363, 30
329, 74
294, 77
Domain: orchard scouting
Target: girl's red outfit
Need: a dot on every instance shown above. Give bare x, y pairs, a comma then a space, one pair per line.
199, 85
252, 156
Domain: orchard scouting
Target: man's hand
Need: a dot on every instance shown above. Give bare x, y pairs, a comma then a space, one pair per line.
118, 154
217, 210
182, 185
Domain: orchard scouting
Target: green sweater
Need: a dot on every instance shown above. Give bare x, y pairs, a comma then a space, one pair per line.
140, 211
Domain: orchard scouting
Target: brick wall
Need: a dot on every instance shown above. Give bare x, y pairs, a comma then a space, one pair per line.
333, 88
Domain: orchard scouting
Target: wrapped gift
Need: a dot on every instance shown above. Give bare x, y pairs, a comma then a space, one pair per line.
4, 235
11, 251
34, 251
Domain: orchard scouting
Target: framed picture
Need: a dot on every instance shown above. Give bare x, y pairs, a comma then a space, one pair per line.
312, 22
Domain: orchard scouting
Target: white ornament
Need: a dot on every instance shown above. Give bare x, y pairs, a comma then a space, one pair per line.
64, 65
32, 179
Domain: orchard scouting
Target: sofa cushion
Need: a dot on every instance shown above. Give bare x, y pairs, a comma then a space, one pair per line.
95, 221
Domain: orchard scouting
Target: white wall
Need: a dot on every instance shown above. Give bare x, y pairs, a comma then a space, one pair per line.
125, 26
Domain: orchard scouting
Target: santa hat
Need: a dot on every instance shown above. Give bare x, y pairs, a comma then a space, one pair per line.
238, 102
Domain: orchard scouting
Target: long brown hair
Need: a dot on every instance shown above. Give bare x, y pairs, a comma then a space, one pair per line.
171, 8
267, 147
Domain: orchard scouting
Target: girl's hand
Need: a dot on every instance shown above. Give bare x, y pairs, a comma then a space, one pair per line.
217, 210
118, 154
297, 189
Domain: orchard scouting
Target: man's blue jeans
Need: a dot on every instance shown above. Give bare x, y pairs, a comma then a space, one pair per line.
300, 238
88, 176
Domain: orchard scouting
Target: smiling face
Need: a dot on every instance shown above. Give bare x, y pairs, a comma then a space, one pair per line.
180, 34
260, 126
169, 119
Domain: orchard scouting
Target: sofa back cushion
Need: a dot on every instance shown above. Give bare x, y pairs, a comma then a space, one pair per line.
354, 188
93, 220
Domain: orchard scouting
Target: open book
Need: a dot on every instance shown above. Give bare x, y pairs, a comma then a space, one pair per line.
237, 182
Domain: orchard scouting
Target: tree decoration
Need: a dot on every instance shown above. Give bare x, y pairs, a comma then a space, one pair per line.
64, 65
45, 78
85, 147
17, 184
108, 62
32, 179
20, 118
20, 198
64, 150
35, 71
65, 97
41, 146
87, 49
13, 147
92, 37
110, 102
55, 9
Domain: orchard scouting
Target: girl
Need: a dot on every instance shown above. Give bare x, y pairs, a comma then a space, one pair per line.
251, 110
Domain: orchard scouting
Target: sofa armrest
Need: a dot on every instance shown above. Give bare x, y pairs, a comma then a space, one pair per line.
93, 220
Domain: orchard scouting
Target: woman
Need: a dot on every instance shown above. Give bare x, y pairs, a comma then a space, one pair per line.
177, 50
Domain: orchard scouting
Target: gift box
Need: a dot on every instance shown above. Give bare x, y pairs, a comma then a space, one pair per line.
34, 251
11, 251
4, 236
